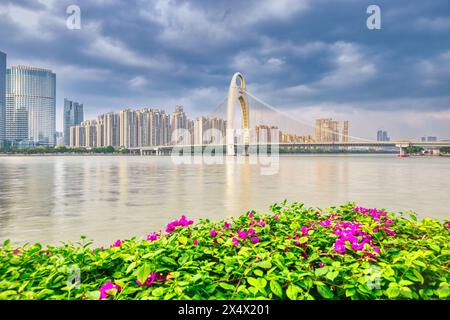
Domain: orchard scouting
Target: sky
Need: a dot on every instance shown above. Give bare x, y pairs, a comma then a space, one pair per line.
309, 58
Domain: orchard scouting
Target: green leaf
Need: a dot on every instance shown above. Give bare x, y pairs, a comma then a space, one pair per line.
183, 239
258, 272
131, 267
276, 289
332, 275
324, 291
443, 291
226, 286
321, 271
169, 260
303, 240
143, 272
258, 283
392, 292
158, 292
265, 264
292, 292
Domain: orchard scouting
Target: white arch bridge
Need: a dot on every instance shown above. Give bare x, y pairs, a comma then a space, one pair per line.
239, 137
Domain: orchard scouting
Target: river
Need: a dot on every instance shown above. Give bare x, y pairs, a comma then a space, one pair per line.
49, 199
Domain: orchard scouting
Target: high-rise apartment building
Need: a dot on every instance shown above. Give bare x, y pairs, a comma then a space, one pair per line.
77, 136
90, 129
345, 135
73, 116
112, 129
128, 128
382, 136
327, 130
100, 127
2, 98
30, 106
209, 130
179, 119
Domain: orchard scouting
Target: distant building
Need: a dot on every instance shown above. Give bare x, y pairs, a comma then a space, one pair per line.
73, 116
345, 135
111, 129
179, 119
2, 98
209, 130
59, 139
77, 136
90, 130
128, 128
383, 136
267, 134
30, 106
429, 139
327, 130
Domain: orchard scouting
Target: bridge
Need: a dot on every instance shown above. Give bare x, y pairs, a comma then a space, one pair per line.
240, 137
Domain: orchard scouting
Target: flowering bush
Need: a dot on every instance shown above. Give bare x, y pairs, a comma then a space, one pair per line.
294, 252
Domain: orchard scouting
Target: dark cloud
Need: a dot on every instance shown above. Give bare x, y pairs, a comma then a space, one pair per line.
294, 53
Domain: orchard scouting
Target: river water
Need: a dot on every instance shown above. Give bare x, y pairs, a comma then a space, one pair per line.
49, 199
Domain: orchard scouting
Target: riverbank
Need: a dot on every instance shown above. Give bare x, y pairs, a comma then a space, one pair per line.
293, 252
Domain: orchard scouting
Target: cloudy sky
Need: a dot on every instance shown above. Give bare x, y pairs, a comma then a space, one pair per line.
310, 58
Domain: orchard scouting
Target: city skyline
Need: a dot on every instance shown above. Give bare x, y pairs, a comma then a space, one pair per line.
191, 49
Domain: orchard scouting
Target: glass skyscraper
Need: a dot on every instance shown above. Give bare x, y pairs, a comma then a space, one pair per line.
2, 97
73, 116
30, 106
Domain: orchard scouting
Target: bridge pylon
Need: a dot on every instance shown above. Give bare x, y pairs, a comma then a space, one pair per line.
236, 93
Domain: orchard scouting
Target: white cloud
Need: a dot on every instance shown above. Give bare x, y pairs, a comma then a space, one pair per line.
116, 51
138, 82
440, 24
32, 23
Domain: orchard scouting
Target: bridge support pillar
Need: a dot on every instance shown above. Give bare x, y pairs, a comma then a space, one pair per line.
402, 149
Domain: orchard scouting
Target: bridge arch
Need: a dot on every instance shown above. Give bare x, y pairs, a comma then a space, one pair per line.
236, 93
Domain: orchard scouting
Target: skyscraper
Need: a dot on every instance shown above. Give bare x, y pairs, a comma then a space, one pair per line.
73, 116
382, 136
30, 106
2, 97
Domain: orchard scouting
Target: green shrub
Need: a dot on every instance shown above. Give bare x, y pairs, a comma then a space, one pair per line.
293, 253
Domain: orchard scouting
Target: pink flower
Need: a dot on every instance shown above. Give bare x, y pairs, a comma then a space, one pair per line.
47, 253
242, 234
448, 225
213, 233
251, 232
261, 223
195, 242
339, 246
275, 217
227, 225
118, 243
235, 242
251, 215
107, 289
304, 230
183, 222
152, 237
255, 240
17, 251
321, 265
